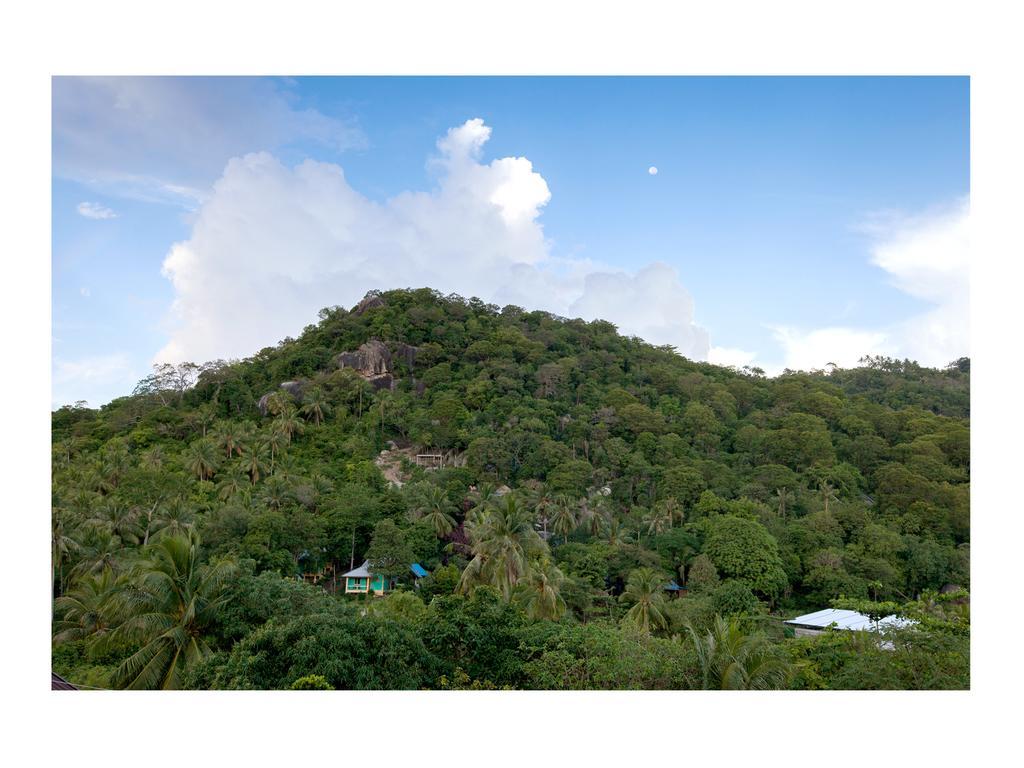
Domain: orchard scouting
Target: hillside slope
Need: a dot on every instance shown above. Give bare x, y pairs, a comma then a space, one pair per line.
761, 493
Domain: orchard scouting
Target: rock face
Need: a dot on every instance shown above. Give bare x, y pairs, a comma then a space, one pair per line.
372, 361
370, 301
293, 388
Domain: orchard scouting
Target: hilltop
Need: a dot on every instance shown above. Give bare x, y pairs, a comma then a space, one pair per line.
625, 460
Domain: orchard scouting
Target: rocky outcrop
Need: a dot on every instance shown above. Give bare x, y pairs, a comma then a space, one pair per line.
372, 361
407, 354
293, 388
370, 301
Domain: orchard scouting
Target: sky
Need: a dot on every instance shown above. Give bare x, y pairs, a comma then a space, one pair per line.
785, 222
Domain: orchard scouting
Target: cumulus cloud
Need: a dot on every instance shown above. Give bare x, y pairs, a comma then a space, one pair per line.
926, 256
273, 244
165, 138
95, 211
651, 304
91, 378
731, 356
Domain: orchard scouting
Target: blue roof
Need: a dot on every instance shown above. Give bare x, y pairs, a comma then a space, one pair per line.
418, 570
673, 587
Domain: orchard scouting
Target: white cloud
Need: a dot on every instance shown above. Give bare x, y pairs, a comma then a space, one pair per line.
927, 257
840, 346
731, 356
95, 211
91, 379
165, 138
273, 244
84, 290
651, 304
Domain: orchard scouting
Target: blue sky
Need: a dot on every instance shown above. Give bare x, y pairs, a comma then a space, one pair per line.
792, 222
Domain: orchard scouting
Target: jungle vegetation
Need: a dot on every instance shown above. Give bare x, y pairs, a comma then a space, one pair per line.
585, 471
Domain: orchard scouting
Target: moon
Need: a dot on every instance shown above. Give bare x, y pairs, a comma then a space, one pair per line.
653, 170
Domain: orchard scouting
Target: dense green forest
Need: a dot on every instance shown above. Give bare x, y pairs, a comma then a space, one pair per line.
200, 524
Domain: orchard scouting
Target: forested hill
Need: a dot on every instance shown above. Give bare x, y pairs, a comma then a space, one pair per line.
624, 464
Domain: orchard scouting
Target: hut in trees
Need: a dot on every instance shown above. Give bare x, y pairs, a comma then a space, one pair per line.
362, 580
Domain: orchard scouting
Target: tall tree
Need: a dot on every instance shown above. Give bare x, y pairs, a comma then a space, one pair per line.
504, 545
201, 458
541, 595
729, 659
563, 515
645, 593
170, 610
315, 406
436, 509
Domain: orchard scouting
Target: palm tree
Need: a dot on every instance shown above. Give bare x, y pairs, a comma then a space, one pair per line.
279, 402
276, 492
203, 417
154, 458
173, 519
672, 510
321, 485
783, 497
201, 458
229, 437
828, 493
115, 465
276, 440
254, 459
289, 422
436, 509
540, 595
595, 512
645, 590
117, 520
231, 484
63, 545
67, 448
383, 397
99, 549
563, 516
656, 520
169, 611
543, 501
89, 610
316, 406
504, 543
732, 660
483, 498
615, 533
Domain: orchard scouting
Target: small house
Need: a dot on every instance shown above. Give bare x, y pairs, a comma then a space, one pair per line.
675, 589
418, 572
360, 581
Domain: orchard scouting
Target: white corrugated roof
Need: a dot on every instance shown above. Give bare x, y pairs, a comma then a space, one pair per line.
844, 619
363, 570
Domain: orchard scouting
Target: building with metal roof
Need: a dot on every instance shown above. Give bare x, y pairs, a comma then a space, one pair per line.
675, 589
838, 618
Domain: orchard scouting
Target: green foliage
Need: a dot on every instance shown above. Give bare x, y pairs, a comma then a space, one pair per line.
312, 683
744, 550
349, 652
621, 458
